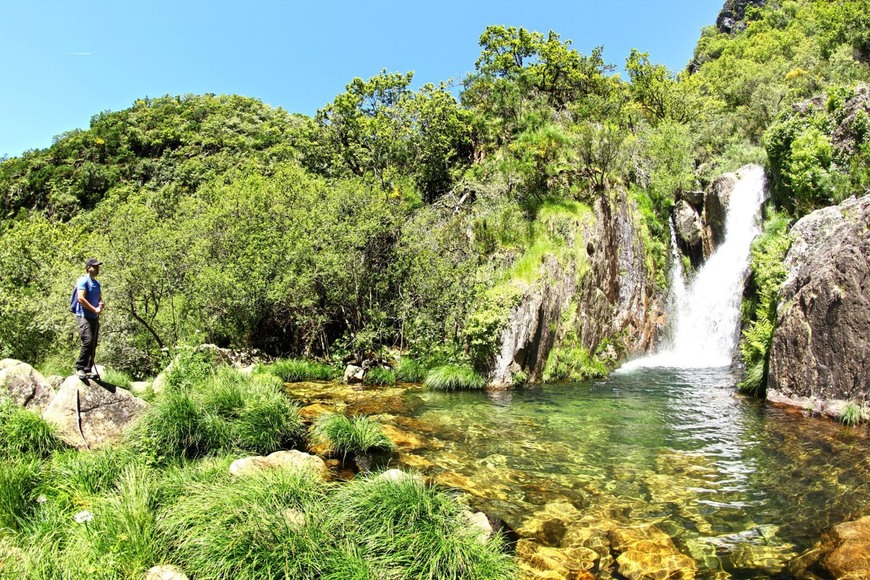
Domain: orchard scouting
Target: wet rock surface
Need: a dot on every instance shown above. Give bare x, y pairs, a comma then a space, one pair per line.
820, 353
843, 552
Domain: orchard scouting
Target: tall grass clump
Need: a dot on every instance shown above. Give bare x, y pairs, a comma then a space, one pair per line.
79, 475
190, 369
379, 377
406, 529
19, 479
573, 363
350, 436
24, 432
852, 415
117, 534
410, 370
221, 412
268, 420
176, 427
298, 370
453, 378
263, 525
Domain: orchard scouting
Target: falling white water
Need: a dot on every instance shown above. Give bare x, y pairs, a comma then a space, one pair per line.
707, 314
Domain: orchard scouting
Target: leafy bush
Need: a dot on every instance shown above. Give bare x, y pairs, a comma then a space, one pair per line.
350, 436
24, 432
298, 370
410, 370
405, 528
379, 377
454, 377
573, 363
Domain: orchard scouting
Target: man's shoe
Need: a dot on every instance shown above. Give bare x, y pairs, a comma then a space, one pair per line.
82, 374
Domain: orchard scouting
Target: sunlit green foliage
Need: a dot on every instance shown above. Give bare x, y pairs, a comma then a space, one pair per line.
454, 377
350, 435
767, 274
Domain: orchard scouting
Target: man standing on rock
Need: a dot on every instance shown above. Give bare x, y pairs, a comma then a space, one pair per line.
87, 308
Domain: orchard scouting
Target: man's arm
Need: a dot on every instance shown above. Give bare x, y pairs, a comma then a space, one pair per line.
87, 305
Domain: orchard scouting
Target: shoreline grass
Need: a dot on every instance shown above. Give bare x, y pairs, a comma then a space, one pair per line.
454, 378
300, 370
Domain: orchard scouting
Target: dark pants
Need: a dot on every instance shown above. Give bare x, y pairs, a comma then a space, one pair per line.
89, 329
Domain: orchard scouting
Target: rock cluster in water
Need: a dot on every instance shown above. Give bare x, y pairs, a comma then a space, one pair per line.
820, 354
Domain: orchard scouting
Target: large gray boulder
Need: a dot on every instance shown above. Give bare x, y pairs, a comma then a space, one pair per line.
24, 385
820, 354
92, 414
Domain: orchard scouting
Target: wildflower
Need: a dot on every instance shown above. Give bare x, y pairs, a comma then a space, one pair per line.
41, 499
83, 517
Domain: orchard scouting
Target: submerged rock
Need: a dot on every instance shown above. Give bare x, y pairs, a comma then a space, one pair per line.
842, 552
91, 413
820, 352
646, 552
24, 385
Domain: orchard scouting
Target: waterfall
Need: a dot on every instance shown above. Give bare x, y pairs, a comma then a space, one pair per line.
706, 319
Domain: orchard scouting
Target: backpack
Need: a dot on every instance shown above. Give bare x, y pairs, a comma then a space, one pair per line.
74, 299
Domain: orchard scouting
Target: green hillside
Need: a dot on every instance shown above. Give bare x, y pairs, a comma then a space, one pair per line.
384, 220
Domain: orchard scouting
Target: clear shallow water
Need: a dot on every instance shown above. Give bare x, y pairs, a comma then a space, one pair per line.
740, 486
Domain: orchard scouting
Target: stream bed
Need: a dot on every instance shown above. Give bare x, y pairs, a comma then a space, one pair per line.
740, 486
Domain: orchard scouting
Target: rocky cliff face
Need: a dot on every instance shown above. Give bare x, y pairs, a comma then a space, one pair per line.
820, 354
699, 217
611, 287
731, 17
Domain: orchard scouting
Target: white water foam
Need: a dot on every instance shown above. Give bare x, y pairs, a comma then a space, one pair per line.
707, 314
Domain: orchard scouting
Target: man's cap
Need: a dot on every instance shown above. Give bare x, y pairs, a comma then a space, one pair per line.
92, 262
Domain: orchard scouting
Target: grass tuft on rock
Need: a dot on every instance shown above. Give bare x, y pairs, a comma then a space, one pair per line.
852, 415
350, 436
454, 378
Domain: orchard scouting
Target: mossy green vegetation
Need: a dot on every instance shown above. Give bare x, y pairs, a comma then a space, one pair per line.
344, 435
454, 377
767, 272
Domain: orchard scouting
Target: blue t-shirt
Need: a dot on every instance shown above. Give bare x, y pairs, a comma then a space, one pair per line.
92, 295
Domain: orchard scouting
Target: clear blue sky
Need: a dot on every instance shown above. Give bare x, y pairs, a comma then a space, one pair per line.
63, 61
